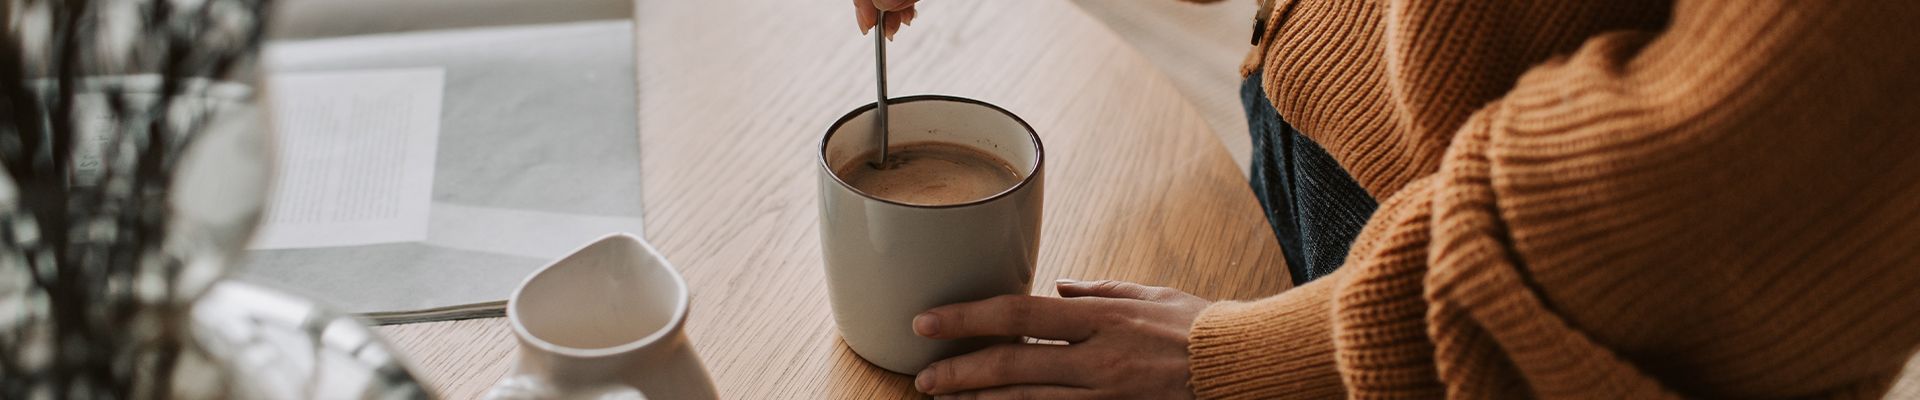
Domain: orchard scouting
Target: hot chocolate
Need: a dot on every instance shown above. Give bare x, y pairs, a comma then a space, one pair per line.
930, 173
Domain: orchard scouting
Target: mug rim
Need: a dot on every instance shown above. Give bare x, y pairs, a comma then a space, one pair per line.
681, 303
1039, 150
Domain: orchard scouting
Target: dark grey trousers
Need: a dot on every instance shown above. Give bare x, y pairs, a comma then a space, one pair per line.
1315, 207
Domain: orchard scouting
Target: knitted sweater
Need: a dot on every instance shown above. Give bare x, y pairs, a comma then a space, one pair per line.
1596, 199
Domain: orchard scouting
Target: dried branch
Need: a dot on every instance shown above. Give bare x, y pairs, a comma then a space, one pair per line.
85, 231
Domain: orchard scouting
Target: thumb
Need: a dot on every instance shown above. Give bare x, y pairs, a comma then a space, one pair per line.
1107, 288
893, 5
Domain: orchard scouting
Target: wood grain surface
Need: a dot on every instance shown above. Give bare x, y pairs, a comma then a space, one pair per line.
1199, 48
735, 95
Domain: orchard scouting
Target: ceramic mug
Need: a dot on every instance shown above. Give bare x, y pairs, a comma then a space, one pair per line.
604, 323
888, 261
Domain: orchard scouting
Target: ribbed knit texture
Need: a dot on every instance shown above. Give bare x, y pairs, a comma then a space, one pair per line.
1286, 332
1620, 199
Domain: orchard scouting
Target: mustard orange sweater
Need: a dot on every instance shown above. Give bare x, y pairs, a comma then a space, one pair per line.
1597, 199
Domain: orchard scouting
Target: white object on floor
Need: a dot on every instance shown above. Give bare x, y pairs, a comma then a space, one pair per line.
527, 233
537, 152
356, 152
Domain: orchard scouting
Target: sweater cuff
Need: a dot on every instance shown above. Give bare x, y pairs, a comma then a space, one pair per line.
1273, 348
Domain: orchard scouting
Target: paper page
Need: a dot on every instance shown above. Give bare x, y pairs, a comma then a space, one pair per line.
356, 152
538, 153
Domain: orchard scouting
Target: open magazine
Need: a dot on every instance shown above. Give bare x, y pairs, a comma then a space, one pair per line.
532, 151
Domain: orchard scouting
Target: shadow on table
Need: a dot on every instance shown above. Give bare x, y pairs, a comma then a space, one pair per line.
854, 378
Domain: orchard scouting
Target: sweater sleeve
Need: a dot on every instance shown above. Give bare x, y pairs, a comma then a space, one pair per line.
1725, 208
1722, 208
1283, 347
1273, 348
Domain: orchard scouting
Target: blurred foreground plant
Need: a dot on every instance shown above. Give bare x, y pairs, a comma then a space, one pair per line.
99, 99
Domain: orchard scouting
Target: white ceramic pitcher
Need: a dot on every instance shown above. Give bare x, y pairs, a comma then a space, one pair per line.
604, 323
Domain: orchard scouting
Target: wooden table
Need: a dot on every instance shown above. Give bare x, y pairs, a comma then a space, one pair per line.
735, 95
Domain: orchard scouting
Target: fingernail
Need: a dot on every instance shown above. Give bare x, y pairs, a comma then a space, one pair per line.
924, 382
1064, 281
860, 21
926, 324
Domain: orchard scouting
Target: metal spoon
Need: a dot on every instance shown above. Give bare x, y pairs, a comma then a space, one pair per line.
880, 78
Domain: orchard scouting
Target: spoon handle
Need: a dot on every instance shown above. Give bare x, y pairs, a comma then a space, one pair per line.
880, 79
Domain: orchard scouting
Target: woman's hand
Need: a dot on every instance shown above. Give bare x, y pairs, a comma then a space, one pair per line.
867, 14
1124, 341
